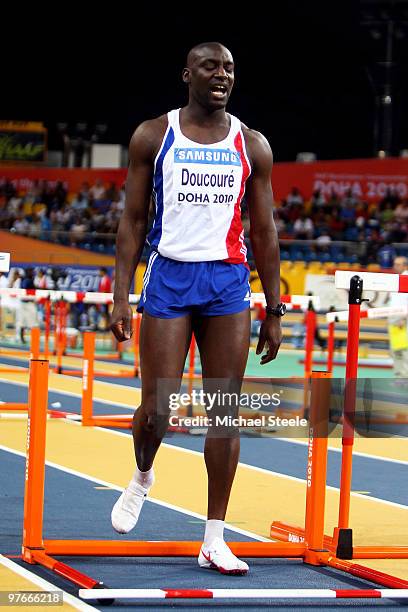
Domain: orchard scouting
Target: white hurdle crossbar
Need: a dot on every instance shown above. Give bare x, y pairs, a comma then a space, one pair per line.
55, 295
370, 313
292, 301
373, 281
94, 297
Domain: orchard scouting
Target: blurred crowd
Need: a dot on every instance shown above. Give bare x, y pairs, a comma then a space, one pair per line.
342, 218
48, 212
370, 228
20, 314
90, 218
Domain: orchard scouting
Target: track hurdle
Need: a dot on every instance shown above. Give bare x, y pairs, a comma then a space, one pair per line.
356, 283
18, 407
35, 348
37, 550
60, 300
34, 353
300, 303
121, 421
134, 373
334, 317
87, 417
341, 542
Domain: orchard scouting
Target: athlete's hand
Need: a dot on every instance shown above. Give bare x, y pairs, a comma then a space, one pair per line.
121, 321
270, 334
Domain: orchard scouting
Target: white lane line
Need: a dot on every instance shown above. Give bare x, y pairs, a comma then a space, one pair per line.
72, 394
355, 453
44, 584
67, 377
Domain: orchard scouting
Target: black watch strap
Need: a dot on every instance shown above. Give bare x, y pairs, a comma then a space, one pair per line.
278, 311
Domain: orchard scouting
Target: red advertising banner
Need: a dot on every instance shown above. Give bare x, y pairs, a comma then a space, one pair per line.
367, 178
23, 177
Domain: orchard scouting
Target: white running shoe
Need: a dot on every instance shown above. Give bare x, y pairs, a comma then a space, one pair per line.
219, 557
126, 511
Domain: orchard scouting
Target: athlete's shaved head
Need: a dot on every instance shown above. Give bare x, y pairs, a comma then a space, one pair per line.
209, 74
198, 51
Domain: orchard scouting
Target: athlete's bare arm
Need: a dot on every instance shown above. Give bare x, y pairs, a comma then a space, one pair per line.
264, 237
132, 229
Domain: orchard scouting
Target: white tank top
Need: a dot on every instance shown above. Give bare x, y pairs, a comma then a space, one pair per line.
198, 190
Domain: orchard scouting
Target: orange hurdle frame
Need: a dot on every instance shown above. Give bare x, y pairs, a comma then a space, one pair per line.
61, 342
341, 542
37, 550
121, 421
35, 354
88, 373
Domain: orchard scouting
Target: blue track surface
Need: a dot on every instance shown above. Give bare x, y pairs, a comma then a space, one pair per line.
383, 479
74, 508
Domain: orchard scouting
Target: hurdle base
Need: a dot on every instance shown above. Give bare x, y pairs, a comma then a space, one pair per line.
9, 406
110, 421
118, 421
116, 548
113, 424
316, 557
40, 557
367, 573
380, 552
343, 543
29, 555
342, 364
289, 533
99, 373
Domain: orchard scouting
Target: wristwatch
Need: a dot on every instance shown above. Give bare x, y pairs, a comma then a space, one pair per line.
278, 311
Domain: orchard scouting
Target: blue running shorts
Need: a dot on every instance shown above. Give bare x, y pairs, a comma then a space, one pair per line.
210, 288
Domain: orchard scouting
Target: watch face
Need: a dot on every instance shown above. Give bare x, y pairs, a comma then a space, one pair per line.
282, 309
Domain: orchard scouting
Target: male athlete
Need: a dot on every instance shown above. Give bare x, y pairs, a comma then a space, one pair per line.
197, 162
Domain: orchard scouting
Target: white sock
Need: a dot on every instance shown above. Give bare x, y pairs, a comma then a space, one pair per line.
145, 479
213, 529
